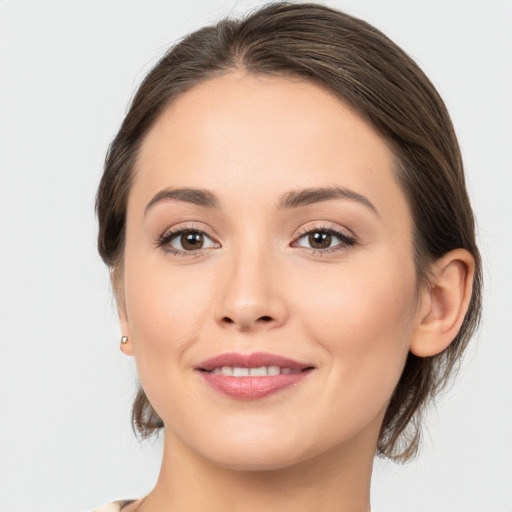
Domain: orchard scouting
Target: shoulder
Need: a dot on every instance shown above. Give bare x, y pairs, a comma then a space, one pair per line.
118, 506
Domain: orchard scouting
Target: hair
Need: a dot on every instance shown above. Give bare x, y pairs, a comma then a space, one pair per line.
361, 66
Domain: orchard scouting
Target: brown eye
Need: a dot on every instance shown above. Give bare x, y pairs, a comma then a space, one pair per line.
186, 240
191, 241
325, 240
320, 240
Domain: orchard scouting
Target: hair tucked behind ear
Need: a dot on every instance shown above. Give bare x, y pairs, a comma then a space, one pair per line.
364, 68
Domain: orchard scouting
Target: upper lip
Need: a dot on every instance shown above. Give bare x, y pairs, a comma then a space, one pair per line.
254, 360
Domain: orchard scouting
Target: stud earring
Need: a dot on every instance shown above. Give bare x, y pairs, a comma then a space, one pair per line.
124, 340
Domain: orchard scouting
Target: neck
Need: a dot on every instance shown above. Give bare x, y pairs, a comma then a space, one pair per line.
338, 481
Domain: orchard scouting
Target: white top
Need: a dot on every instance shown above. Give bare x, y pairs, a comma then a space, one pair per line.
118, 506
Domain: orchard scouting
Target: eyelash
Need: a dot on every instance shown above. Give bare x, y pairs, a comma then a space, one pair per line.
171, 234
346, 240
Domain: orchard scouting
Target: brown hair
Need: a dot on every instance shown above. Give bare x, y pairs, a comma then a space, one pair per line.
364, 68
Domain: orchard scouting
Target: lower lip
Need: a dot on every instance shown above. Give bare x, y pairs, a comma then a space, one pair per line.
252, 388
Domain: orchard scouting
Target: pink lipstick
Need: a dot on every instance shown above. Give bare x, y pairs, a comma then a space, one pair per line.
252, 376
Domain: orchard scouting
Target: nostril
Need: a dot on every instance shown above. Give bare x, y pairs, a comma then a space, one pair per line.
247, 324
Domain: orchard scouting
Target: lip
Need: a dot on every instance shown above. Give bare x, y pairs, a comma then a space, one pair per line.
252, 388
254, 360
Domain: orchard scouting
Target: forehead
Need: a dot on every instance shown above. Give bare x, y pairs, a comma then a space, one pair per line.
257, 137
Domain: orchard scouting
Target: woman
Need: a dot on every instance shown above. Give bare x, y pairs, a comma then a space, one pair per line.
293, 256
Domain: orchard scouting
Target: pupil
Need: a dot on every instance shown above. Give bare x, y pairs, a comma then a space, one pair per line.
192, 241
320, 240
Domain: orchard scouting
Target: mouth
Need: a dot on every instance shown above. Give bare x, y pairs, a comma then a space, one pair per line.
261, 371
252, 376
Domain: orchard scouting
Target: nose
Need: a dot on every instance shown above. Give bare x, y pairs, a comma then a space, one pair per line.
252, 295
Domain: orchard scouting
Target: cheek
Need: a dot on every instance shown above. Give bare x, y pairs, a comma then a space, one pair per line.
164, 312
363, 320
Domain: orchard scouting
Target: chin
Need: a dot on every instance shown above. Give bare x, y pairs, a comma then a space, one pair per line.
241, 459
258, 450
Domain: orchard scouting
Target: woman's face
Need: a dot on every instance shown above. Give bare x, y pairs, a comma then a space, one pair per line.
265, 225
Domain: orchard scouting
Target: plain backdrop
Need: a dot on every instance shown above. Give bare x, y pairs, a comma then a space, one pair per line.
67, 72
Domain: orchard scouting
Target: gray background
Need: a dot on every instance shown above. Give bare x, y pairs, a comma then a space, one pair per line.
67, 72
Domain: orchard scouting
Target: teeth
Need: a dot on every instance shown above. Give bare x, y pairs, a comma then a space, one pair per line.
262, 371
240, 372
273, 370
258, 372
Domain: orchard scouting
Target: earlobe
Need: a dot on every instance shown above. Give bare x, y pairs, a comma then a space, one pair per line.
444, 303
126, 338
126, 345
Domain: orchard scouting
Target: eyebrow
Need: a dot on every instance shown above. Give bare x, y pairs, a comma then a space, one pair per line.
304, 197
197, 196
290, 200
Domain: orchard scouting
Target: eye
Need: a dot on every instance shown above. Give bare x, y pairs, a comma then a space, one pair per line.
186, 240
324, 240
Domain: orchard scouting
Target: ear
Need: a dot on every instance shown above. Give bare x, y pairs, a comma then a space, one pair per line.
443, 303
117, 286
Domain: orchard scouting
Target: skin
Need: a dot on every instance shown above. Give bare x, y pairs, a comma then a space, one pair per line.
352, 311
